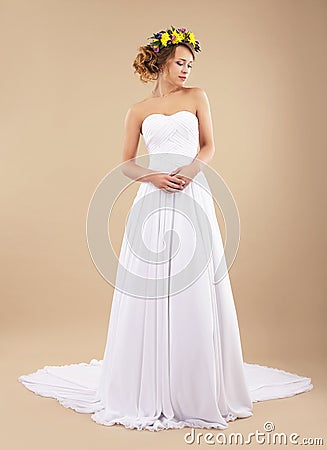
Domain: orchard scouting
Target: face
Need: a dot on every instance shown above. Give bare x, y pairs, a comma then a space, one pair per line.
179, 67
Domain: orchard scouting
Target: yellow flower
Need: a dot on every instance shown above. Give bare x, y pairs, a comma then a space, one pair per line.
164, 39
178, 36
192, 38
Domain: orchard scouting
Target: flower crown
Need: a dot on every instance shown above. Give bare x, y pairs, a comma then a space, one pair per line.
173, 36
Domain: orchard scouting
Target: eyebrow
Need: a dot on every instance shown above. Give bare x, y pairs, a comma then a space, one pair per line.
185, 60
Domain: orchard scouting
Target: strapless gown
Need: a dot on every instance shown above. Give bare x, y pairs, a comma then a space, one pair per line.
173, 355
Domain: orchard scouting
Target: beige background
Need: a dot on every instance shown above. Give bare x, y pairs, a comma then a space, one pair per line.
66, 84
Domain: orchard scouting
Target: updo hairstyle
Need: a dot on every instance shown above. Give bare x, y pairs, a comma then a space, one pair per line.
148, 64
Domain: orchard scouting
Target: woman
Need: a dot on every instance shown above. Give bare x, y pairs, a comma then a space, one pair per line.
173, 356
170, 67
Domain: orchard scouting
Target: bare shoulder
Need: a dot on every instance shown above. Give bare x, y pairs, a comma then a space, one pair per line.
198, 93
134, 112
135, 107
137, 110
198, 97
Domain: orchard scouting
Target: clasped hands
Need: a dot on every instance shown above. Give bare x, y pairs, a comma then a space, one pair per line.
176, 180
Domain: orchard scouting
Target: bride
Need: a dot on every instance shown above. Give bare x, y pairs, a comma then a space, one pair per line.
173, 356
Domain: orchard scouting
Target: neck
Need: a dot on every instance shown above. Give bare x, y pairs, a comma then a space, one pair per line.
162, 89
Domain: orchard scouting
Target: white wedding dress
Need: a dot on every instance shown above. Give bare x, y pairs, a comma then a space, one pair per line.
173, 356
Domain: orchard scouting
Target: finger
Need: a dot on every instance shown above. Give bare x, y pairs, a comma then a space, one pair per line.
179, 185
173, 187
170, 190
181, 178
176, 179
174, 183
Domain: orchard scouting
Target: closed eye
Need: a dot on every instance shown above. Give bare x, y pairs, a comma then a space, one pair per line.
190, 67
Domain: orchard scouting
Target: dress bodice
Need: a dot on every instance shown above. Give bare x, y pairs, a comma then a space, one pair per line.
171, 140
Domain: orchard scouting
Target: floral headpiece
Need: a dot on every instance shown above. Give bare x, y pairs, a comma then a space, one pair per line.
173, 36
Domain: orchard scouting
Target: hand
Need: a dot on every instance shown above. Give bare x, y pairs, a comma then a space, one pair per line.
167, 182
185, 173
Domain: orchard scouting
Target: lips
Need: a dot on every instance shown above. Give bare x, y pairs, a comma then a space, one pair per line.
182, 78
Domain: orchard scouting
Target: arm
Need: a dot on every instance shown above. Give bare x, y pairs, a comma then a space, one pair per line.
130, 144
132, 170
206, 140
